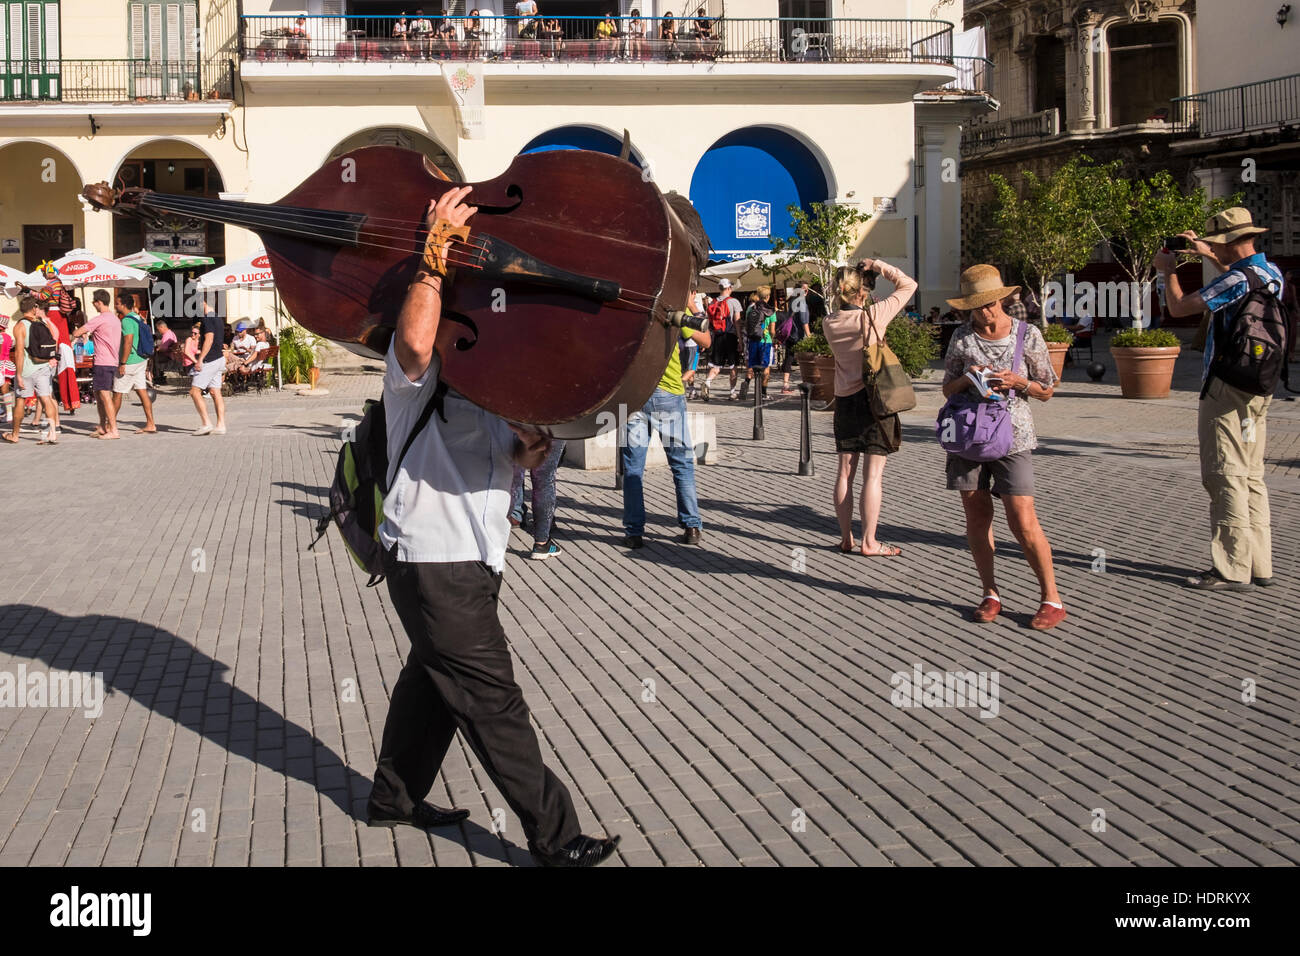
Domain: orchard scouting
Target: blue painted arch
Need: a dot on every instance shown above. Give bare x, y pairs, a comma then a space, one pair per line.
744, 183
578, 137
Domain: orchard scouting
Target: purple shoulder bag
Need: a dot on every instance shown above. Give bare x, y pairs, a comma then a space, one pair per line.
978, 430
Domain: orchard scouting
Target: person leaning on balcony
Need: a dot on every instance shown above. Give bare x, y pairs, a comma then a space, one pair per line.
444, 35
1230, 422
668, 33
635, 35
526, 11
987, 343
473, 36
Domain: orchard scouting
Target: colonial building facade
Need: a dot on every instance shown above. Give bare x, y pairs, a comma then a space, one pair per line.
747, 109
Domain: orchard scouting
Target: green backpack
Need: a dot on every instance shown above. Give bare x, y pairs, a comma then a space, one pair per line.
356, 497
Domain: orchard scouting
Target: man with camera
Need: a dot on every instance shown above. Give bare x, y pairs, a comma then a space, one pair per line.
1231, 419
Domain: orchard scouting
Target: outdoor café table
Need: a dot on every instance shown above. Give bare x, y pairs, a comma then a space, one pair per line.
355, 36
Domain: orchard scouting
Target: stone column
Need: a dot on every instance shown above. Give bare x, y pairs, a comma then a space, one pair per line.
932, 162
1086, 116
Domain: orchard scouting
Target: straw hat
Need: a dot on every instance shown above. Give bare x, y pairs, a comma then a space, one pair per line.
1231, 225
981, 285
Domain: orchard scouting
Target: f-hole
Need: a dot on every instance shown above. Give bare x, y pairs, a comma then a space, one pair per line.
463, 344
513, 191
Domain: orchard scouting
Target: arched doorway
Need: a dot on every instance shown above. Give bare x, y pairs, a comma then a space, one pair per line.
579, 137
40, 215
744, 183
406, 139
170, 166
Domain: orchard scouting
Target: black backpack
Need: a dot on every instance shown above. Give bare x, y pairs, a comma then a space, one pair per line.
356, 496
41, 343
754, 319
1251, 354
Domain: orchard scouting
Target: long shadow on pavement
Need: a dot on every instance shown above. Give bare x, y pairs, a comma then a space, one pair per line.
174, 680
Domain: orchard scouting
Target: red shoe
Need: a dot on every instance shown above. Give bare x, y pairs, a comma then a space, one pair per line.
989, 608
1047, 617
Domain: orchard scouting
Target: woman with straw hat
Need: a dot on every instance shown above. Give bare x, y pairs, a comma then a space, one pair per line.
987, 344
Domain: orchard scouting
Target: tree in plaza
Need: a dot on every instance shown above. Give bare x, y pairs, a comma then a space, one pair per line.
1049, 227
1134, 216
819, 239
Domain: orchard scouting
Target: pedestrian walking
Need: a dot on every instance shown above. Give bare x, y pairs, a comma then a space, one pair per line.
857, 430
7, 369
1232, 416
724, 323
36, 350
131, 365
991, 343
104, 329
211, 363
445, 530
543, 484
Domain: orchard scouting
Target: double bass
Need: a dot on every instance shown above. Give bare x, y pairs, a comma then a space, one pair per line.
564, 298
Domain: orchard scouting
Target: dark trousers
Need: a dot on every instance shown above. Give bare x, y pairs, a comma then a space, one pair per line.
459, 676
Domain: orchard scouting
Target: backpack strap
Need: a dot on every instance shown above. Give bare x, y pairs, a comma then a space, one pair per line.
434, 403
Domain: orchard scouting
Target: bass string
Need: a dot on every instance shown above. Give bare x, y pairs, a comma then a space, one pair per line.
455, 257
308, 226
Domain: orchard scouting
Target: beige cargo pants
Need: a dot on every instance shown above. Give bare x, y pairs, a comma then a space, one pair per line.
1231, 426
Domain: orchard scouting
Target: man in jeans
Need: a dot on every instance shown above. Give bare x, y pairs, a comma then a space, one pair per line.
665, 412
1230, 422
105, 330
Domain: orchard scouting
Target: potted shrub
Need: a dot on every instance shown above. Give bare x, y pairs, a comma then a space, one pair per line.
916, 343
1144, 359
823, 378
805, 352
298, 355
1058, 339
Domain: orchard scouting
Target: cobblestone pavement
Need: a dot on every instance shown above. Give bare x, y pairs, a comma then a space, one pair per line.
721, 705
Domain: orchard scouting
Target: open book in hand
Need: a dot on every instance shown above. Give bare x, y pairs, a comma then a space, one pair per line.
981, 379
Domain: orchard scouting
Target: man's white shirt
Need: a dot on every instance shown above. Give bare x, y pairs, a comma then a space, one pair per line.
450, 497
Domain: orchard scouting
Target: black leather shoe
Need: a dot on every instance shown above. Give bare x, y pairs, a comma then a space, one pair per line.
691, 536
426, 815
580, 851
633, 541
1263, 582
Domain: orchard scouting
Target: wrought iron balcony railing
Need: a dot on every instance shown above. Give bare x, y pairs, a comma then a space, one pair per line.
1239, 109
115, 81
596, 39
983, 137
974, 75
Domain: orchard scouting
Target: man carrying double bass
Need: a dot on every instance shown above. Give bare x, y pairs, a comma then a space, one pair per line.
445, 530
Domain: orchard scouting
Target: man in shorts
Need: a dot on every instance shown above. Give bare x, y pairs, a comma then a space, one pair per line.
33, 377
131, 365
724, 323
212, 363
104, 330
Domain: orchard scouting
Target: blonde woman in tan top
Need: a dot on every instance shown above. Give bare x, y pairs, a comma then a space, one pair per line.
857, 431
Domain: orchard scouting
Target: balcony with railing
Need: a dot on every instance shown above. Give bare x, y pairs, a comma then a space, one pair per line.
974, 78
1014, 130
115, 81
1251, 107
663, 40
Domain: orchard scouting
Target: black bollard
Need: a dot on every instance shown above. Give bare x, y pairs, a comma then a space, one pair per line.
805, 429
758, 406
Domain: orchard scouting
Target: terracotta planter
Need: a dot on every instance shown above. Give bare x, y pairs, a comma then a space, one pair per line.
1056, 353
314, 375
1145, 372
824, 390
808, 368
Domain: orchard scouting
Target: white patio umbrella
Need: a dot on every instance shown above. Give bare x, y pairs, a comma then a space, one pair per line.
81, 267
10, 279
251, 272
749, 274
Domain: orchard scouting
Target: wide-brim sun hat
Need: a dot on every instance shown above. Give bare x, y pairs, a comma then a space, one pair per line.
979, 286
1230, 225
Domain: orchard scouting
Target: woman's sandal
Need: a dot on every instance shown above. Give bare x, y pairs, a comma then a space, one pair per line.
883, 551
